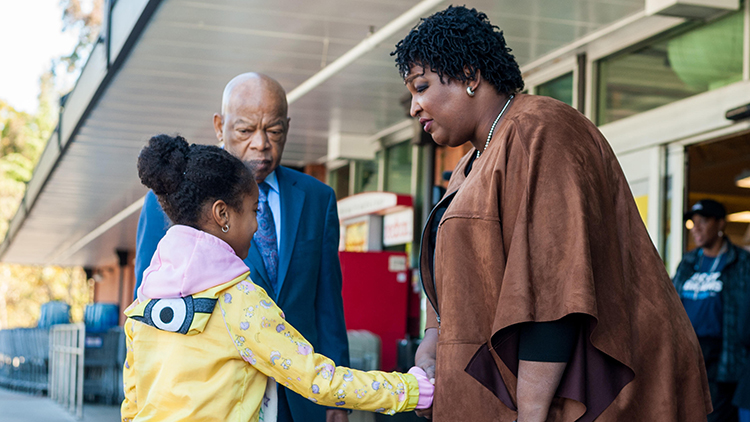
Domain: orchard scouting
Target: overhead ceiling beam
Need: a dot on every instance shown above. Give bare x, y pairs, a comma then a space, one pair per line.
362, 48
85, 240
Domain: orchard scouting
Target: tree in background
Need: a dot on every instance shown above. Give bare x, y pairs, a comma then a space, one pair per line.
86, 23
22, 139
23, 289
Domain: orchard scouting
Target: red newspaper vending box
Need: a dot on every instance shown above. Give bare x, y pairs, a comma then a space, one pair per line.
377, 284
376, 290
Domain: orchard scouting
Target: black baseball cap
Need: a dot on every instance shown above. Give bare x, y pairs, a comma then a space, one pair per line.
707, 208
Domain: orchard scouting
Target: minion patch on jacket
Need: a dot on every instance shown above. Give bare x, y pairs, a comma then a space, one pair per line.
184, 315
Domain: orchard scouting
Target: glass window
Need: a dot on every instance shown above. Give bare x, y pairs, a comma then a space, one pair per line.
560, 88
398, 168
339, 180
688, 63
367, 176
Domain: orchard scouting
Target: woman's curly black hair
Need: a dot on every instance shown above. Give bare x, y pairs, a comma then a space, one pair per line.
186, 177
455, 43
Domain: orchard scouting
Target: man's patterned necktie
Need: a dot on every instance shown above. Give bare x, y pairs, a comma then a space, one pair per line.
265, 236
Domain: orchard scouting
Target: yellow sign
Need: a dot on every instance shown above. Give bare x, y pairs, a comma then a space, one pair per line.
642, 203
355, 239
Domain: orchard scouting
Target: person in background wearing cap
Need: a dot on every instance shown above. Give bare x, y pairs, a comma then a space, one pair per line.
712, 281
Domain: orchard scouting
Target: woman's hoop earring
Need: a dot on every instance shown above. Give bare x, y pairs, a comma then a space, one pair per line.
225, 228
469, 91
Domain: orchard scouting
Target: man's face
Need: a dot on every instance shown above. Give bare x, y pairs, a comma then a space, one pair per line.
705, 230
254, 128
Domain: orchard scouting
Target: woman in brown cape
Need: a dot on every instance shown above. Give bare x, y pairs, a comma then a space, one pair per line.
549, 301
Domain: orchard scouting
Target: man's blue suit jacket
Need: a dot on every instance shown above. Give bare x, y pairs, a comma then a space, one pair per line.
309, 271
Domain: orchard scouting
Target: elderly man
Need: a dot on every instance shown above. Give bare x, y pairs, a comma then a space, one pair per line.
294, 255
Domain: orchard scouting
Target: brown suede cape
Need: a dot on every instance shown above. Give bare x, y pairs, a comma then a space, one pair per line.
545, 226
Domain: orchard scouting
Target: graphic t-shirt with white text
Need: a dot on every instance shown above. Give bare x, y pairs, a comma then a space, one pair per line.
701, 296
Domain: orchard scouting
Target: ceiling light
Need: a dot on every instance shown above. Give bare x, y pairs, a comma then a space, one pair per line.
739, 217
738, 113
743, 180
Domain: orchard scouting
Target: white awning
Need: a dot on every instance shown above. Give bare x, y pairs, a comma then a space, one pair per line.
168, 63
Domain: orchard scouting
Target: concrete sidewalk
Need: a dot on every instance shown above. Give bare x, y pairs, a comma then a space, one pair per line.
20, 407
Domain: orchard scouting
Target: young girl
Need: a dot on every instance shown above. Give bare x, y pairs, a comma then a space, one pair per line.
203, 341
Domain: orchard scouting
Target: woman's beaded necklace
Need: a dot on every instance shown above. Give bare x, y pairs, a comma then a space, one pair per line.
492, 129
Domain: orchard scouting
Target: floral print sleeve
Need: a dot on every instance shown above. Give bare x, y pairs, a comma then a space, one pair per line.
267, 342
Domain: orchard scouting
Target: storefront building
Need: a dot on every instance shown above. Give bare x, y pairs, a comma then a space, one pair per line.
658, 77
661, 85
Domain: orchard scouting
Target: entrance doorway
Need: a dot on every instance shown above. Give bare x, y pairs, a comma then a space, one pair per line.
717, 170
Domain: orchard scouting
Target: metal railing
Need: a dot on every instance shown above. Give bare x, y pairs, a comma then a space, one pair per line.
66, 345
23, 359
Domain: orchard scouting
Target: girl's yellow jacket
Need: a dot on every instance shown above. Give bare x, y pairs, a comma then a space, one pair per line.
217, 370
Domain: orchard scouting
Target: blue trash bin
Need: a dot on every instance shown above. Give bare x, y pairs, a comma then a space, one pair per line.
53, 313
101, 317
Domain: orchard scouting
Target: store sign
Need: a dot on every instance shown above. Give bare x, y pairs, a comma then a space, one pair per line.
371, 203
398, 227
355, 239
362, 234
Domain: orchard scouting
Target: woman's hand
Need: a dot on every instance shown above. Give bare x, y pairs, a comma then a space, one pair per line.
537, 383
337, 415
425, 359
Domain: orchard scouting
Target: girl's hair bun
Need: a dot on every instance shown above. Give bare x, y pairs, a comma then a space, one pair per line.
187, 177
162, 163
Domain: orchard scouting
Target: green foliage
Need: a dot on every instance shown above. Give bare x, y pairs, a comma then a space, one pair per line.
46, 115
23, 289
85, 23
16, 166
22, 140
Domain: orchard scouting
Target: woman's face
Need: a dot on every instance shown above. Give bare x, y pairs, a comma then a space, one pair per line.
243, 224
441, 107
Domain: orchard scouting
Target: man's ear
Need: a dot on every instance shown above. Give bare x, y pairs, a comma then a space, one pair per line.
220, 213
219, 126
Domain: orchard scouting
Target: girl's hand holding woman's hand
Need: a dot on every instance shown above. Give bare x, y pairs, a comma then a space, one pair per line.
425, 359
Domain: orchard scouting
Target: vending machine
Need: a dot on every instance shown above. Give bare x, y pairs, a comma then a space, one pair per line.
375, 293
377, 285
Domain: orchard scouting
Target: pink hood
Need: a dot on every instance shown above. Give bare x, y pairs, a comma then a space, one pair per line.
188, 261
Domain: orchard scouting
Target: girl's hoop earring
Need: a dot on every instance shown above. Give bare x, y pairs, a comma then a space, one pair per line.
225, 228
469, 91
